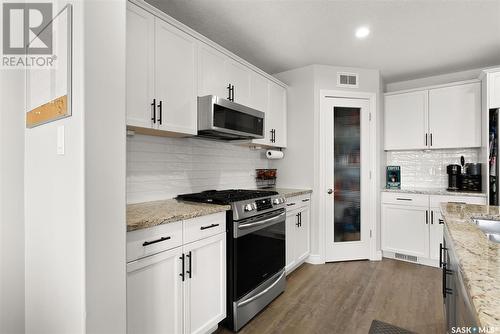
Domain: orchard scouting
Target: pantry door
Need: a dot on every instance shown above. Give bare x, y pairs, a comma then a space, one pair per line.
347, 166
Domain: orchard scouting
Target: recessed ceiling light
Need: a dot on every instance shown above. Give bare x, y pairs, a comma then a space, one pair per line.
362, 32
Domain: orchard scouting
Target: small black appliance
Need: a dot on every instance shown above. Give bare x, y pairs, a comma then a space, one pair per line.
453, 172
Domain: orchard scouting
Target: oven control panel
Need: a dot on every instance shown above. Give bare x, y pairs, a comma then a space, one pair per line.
252, 207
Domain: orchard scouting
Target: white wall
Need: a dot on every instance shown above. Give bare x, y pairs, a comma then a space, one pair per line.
55, 222
300, 168
12, 201
161, 168
105, 164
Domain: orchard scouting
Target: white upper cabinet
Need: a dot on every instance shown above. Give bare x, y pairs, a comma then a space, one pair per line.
494, 90
212, 77
161, 74
455, 116
140, 66
259, 92
175, 79
406, 121
275, 124
435, 118
219, 74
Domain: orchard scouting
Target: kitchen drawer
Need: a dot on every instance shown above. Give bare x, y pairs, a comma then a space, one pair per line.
204, 227
149, 241
296, 202
436, 200
405, 199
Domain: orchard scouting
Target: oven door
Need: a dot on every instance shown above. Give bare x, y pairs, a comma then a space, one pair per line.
259, 250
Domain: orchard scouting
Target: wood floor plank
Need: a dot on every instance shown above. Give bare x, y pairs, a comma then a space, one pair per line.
345, 297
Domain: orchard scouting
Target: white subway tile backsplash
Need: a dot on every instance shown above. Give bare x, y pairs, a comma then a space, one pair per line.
427, 169
161, 168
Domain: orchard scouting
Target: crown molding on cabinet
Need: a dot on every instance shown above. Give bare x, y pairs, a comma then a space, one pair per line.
179, 25
450, 84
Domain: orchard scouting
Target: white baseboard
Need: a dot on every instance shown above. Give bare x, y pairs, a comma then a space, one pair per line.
315, 259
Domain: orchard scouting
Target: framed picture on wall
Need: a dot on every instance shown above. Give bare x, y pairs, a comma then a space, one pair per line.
393, 177
48, 86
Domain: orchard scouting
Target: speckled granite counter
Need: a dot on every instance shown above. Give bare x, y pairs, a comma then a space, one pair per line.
479, 258
434, 192
287, 193
149, 214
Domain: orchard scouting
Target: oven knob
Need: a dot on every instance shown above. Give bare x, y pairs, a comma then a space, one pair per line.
248, 207
282, 200
276, 201
254, 206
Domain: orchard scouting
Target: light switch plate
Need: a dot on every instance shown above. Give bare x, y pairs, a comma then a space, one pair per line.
60, 140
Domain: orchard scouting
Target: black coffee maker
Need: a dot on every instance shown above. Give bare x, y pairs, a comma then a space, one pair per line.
469, 180
454, 172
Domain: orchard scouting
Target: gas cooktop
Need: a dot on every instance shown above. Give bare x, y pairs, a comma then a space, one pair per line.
225, 196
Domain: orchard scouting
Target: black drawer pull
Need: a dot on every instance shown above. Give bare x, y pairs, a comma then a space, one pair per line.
209, 226
403, 199
147, 243
305, 200
290, 204
457, 203
441, 221
190, 271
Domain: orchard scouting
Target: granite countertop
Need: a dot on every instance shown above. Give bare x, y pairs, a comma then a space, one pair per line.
287, 193
149, 214
479, 258
430, 191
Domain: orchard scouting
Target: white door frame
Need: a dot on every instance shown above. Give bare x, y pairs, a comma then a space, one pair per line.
372, 192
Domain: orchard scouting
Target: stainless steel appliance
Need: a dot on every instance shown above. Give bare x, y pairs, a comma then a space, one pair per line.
255, 249
219, 118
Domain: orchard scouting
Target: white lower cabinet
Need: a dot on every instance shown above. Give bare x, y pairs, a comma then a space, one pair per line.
412, 225
297, 231
179, 290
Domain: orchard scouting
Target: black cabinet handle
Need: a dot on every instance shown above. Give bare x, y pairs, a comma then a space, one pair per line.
297, 223
160, 111
232, 93
190, 264
183, 267
441, 251
229, 92
426, 216
147, 243
209, 226
300, 221
431, 138
153, 118
432, 216
306, 200
441, 221
403, 199
290, 204
426, 139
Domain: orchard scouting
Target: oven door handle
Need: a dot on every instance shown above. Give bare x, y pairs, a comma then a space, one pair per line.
261, 222
263, 292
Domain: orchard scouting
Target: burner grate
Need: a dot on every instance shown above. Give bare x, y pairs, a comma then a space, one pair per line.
225, 196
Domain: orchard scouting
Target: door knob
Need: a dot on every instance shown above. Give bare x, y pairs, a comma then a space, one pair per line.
330, 191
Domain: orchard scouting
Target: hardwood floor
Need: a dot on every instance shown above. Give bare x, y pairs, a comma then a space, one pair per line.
345, 297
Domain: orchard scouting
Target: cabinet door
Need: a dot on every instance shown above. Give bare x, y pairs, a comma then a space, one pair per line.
205, 289
175, 79
455, 116
290, 231
405, 229
140, 66
302, 235
494, 90
259, 92
154, 294
212, 77
405, 121
277, 114
435, 233
239, 77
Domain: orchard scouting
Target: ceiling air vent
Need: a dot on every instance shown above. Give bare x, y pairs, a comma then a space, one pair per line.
347, 80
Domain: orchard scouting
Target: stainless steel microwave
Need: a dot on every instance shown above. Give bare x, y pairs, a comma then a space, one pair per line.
219, 118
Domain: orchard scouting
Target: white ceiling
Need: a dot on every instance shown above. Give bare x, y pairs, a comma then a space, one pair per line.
409, 39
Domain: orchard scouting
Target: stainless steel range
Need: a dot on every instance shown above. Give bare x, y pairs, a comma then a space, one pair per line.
255, 249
